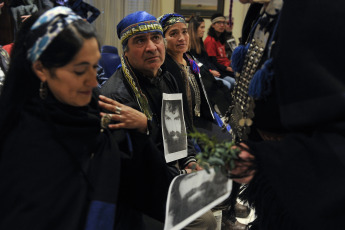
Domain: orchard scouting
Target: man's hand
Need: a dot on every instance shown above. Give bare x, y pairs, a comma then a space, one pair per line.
193, 166
126, 117
25, 17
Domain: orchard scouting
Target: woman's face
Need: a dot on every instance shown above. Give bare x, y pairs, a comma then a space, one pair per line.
72, 84
201, 30
177, 38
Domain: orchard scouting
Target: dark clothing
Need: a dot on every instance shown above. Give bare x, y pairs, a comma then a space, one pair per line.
4, 63
40, 4
217, 93
27, 7
266, 110
298, 181
82, 9
210, 63
212, 93
51, 167
229, 48
252, 15
57, 163
144, 183
152, 203
118, 89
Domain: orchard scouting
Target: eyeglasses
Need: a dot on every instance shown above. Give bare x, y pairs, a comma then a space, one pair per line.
220, 22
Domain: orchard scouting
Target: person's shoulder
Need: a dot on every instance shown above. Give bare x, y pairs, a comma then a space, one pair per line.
170, 79
114, 83
209, 39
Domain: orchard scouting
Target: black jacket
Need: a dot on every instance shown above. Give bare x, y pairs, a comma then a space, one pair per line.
213, 95
118, 89
215, 91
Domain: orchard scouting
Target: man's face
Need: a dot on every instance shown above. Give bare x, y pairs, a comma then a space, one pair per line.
190, 189
172, 119
229, 25
219, 26
146, 53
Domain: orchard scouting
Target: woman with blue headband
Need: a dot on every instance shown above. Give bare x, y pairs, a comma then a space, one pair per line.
59, 164
202, 96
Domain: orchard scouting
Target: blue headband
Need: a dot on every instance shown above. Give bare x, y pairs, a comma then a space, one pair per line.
137, 23
52, 23
167, 20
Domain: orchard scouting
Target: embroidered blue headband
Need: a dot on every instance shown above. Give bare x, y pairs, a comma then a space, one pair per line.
51, 24
167, 20
137, 23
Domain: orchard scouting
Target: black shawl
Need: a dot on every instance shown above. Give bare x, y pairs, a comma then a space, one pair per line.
299, 182
54, 162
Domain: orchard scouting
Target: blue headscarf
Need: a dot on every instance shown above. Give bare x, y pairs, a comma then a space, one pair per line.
167, 20
49, 25
137, 23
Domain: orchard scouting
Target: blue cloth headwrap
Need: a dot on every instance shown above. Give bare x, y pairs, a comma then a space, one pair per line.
50, 25
167, 20
137, 23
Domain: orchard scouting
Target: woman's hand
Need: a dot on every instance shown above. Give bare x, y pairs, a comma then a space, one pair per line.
215, 73
229, 69
243, 173
125, 116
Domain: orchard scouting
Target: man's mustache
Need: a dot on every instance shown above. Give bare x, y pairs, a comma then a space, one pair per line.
175, 133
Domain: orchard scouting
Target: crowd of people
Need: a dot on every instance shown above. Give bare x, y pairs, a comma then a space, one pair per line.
75, 154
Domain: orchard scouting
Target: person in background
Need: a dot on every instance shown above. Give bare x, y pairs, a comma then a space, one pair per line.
1, 5
196, 30
215, 43
230, 43
6, 25
21, 10
82, 9
294, 183
4, 63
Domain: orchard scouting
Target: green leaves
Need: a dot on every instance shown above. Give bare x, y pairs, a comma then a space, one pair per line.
219, 155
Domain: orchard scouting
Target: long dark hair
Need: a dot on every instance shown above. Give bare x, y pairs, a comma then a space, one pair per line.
21, 84
212, 32
195, 43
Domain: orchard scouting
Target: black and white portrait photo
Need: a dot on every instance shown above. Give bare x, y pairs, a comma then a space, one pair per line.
173, 127
191, 195
232, 43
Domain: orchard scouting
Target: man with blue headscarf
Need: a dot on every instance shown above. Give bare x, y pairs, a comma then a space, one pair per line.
140, 84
